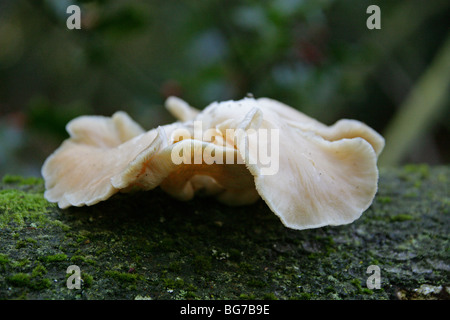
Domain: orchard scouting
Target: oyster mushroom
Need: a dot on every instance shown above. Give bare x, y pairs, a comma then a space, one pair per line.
309, 174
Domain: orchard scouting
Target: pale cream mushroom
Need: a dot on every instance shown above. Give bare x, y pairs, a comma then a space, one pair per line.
318, 175
326, 175
106, 155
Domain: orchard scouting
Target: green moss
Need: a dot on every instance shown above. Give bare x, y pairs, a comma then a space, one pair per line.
401, 217
235, 254
26, 242
384, 199
188, 295
256, 283
80, 258
3, 259
167, 244
59, 257
360, 290
246, 267
305, 296
366, 291
443, 178
270, 296
21, 244
177, 283
181, 252
21, 207
14, 179
422, 170
30, 240
21, 263
87, 280
174, 266
244, 296
100, 251
38, 271
41, 284
122, 276
20, 279
411, 194
330, 289
82, 236
26, 280
202, 263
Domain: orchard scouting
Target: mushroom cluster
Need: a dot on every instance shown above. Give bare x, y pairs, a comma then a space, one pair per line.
315, 175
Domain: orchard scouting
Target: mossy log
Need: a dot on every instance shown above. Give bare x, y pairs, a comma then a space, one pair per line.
147, 245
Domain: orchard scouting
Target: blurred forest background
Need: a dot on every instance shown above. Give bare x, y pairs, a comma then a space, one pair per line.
315, 55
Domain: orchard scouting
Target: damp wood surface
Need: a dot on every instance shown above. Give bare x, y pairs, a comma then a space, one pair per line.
147, 245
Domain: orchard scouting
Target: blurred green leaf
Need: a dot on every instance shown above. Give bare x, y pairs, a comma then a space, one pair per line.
122, 22
45, 116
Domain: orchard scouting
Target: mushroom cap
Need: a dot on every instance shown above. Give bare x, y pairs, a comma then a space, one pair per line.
327, 175
106, 155
79, 171
316, 175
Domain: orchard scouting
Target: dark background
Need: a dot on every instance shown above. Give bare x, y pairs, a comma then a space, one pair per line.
317, 56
